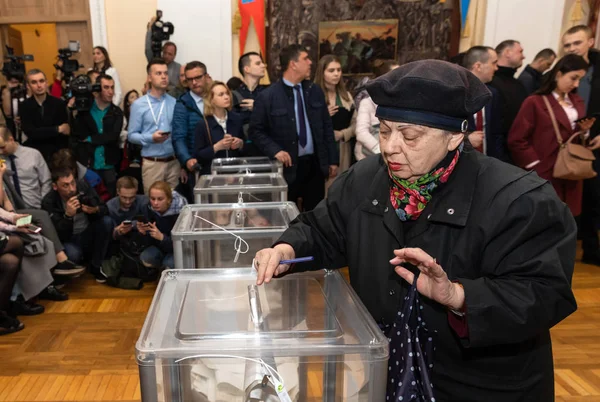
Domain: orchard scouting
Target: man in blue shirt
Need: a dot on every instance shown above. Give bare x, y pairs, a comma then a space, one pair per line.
97, 134
291, 123
150, 126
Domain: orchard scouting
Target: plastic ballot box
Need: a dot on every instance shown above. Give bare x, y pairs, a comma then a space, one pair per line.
212, 335
252, 164
229, 188
228, 235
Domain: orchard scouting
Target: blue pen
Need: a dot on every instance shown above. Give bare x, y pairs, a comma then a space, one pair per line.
297, 260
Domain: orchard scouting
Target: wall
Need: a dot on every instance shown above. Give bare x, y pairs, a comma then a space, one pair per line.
40, 41
537, 24
202, 32
126, 22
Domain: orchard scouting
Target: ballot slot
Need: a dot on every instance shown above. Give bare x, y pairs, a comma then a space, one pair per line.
253, 187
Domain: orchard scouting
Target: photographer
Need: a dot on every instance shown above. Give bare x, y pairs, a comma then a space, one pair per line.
13, 89
169, 51
96, 134
43, 117
80, 218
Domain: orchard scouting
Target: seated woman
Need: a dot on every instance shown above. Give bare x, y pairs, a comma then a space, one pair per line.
165, 206
11, 254
220, 134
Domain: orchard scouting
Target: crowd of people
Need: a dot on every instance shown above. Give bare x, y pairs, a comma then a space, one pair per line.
115, 177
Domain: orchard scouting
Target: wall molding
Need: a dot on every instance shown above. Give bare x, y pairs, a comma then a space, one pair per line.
98, 23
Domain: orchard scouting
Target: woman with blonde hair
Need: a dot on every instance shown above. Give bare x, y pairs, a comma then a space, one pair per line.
164, 208
220, 134
340, 105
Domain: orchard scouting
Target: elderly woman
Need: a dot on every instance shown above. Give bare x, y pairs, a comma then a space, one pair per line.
490, 246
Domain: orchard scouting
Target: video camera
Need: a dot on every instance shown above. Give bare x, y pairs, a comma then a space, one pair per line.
161, 31
68, 67
14, 66
82, 89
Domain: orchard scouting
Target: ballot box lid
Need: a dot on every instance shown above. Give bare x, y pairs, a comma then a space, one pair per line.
240, 183
212, 312
222, 221
253, 164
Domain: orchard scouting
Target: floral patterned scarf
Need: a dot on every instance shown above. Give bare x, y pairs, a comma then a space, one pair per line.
410, 199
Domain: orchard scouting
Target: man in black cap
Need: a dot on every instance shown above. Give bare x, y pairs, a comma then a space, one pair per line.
492, 244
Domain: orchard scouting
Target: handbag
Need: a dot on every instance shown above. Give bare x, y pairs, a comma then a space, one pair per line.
574, 161
410, 364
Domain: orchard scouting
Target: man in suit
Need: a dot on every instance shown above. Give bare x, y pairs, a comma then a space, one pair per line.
531, 77
579, 40
511, 92
189, 110
484, 125
291, 123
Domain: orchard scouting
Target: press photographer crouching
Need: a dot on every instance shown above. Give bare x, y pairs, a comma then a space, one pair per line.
80, 218
96, 133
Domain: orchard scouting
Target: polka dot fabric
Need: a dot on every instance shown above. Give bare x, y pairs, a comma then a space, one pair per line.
411, 353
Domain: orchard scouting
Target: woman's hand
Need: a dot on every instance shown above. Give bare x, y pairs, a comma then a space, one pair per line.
224, 144
586, 124
154, 232
433, 281
594, 143
237, 143
333, 109
267, 260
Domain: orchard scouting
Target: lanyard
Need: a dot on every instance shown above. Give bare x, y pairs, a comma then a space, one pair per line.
162, 105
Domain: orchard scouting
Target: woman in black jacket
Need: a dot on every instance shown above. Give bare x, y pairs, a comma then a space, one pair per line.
220, 134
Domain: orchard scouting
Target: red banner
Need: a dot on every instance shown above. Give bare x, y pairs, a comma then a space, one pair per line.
252, 10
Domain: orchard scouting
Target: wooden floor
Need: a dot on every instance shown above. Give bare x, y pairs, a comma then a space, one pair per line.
83, 349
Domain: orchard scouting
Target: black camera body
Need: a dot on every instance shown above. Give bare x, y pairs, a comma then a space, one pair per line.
69, 66
82, 89
14, 66
161, 31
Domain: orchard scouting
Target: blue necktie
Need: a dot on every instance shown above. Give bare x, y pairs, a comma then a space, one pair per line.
301, 120
13, 167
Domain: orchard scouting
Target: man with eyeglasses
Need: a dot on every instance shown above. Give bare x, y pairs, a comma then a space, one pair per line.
189, 110
150, 125
44, 118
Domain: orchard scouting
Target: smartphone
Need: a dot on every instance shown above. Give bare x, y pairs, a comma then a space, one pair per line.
165, 133
34, 229
24, 221
127, 222
592, 116
141, 219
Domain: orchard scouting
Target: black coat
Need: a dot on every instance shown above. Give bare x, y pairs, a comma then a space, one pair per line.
498, 230
205, 140
84, 126
512, 95
594, 103
273, 126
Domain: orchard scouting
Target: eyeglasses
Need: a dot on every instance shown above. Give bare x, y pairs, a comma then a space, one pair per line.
197, 78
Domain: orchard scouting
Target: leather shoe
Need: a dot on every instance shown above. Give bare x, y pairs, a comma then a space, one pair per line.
21, 307
51, 293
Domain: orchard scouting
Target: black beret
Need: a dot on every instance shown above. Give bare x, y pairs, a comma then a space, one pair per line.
432, 93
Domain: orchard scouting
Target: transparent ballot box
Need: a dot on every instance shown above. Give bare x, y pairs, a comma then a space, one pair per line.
212, 335
228, 235
251, 164
230, 188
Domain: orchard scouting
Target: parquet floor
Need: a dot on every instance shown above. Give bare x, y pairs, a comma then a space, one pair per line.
83, 349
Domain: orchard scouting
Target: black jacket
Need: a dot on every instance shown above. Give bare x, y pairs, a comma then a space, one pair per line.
84, 126
52, 203
204, 140
512, 95
243, 92
531, 79
594, 103
500, 231
40, 125
273, 126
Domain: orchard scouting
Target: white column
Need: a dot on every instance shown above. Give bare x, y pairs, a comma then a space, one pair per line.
202, 32
98, 21
534, 23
